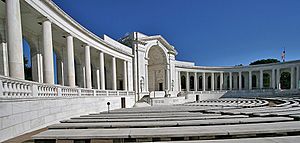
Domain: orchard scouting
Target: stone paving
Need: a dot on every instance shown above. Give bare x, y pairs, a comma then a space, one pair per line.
223, 120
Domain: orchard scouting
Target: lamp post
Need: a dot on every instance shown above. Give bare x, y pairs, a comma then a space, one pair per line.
108, 103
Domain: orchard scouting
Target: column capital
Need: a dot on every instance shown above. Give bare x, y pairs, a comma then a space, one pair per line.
85, 45
43, 19
67, 35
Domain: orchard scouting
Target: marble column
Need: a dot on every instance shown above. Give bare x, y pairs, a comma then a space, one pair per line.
70, 61
187, 81
230, 80
273, 79
292, 77
114, 73
240, 80
261, 79
167, 79
3, 49
98, 79
297, 77
203, 81
212, 81
221, 80
88, 75
60, 71
14, 39
146, 86
278, 74
37, 66
250, 80
83, 77
102, 71
125, 74
48, 53
195, 82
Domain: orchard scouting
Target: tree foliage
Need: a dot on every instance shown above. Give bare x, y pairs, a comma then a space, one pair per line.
264, 61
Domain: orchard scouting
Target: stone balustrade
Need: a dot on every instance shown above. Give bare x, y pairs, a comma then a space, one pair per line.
14, 88
27, 106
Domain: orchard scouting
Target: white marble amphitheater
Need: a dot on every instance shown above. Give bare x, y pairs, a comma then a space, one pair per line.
153, 97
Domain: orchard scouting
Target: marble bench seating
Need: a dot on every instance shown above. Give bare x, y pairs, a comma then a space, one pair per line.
142, 115
285, 139
168, 123
153, 119
231, 102
186, 131
255, 111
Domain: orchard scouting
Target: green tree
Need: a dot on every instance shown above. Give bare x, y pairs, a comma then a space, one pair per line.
264, 61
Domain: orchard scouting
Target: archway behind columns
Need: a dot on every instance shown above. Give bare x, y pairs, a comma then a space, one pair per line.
218, 82
285, 80
157, 69
243, 82
200, 84
266, 80
183, 82
27, 59
254, 80
209, 82
192, 83
228, 82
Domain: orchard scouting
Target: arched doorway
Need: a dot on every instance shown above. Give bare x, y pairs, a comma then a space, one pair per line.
192, 83
27, 60
254, 80
200, 85
157, 69
209, 83
285, 80
218, 82
183, 82
228, 83
266, 80
243, 82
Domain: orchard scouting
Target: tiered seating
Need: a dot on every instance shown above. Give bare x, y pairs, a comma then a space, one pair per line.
231, 102
223, 120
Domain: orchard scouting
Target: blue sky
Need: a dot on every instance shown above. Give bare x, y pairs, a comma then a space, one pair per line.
208, 32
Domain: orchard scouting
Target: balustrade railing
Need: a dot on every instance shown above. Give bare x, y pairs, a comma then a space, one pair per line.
15, 88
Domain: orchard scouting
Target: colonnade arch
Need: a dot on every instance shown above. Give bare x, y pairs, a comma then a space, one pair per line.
27, 59
157, 69
200, 84
192, 81
285, 80
209, 82
254, 81
218, 82
183, 82
266, 80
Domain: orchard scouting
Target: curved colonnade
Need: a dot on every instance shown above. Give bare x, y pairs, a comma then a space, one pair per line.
267, 76
79, 54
